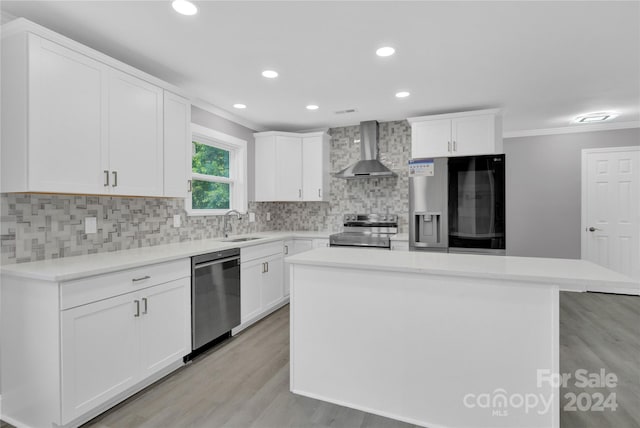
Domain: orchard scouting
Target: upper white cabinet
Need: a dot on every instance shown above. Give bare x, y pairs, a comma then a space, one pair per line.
177, 145
457, 134
292, 167
135, 141
75, 123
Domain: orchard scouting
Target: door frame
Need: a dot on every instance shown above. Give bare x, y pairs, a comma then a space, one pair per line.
583, 185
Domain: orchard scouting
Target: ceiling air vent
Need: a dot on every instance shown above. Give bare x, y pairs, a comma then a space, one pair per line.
349, 110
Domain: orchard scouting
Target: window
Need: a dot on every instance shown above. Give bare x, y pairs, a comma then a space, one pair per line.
218, 173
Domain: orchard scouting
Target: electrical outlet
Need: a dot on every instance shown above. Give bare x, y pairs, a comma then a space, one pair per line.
268, 216
252, 217
90, 225
177, 220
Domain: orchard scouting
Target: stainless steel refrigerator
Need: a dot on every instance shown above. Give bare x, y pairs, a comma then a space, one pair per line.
457, 204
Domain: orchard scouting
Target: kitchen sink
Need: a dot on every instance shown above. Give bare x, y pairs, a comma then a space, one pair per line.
248, 238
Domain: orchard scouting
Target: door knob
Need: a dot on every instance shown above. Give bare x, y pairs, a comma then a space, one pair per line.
593, 229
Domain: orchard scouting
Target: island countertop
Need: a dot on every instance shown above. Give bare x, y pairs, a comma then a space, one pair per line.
567, 274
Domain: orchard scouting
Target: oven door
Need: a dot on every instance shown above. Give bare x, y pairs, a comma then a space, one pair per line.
477, 203
365, 240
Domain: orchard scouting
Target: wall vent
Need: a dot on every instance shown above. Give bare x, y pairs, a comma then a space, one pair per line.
349, 110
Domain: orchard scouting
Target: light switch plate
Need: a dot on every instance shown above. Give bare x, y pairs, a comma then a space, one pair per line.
177, 221
90, 225
268, 216
252, 217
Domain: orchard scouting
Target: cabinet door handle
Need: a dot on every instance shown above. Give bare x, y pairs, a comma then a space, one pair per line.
106, 178
449, 146
300, 193
142, 278
263, 267
115, 178
320, 193
190, 186
454, 146
144, 303
267, 263
137, 302
286, 249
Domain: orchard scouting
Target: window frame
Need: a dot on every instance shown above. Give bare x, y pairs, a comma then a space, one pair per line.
237, 180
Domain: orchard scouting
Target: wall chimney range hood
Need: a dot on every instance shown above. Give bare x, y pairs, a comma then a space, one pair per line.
368, 166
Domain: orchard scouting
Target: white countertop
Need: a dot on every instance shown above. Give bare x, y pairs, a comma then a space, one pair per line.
568, 274
70, 268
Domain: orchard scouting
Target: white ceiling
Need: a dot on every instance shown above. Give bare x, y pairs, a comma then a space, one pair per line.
543, 62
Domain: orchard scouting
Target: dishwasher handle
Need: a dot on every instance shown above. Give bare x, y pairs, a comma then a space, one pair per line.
217, 261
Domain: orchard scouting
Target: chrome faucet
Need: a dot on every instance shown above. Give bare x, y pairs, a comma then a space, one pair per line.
226, 217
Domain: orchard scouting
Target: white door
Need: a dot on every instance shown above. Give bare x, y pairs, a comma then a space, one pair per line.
473, 135
611, 208
431, 139
100, 353
288, 168
312, 168
250, 286
135, 136
272, 282
265, 169
165, 324
177, 145
66, 115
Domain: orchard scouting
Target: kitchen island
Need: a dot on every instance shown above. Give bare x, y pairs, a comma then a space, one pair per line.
437, 340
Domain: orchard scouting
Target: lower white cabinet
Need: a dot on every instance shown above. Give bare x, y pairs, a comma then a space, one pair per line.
88, 343
291, 247
321, 242
261, 281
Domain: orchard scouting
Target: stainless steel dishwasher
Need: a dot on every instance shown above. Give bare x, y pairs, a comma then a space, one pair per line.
215, 296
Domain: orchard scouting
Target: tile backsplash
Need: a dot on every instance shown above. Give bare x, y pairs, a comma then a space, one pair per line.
38, 227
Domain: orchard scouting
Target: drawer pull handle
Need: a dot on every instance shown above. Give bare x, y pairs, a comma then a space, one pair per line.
137, 314
286, 249
144, 302
141, 278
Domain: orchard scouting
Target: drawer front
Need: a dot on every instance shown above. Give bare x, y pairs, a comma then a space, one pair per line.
87, 290
261, 251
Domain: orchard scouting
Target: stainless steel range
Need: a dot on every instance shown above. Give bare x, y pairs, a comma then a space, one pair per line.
366, 230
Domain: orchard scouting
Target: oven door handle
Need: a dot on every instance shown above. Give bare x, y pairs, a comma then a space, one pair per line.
215, 262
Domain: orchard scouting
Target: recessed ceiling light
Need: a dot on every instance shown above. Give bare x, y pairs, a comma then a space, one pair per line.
240, 106
270, 74
402, 94
312, 107
595, 117
184, 7
385, 51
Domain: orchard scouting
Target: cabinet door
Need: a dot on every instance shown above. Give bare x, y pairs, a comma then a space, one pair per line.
265, 168
250, 287
135, 136
165, 324
288, 168
100, 353
272, 282
431, 138
177, 145
66, 112
473, 135
312, 169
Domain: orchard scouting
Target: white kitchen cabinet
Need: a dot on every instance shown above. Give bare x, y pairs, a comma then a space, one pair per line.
90, 343
321, 242
53, 101
261, 282
135, 141
177, 145
457, 134
77, 121
292, 166
315, 167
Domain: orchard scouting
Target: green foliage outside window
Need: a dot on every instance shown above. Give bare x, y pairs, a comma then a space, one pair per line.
210, 161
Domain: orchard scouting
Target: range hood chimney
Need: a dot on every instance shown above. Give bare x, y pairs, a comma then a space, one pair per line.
368, 166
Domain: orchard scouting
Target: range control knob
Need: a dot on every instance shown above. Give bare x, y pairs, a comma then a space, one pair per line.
384, 218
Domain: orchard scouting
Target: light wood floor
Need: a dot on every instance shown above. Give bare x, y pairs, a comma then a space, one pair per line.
245, 382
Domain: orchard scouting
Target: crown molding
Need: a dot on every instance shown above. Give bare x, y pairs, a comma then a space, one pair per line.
207, 106
573, 129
